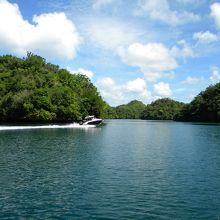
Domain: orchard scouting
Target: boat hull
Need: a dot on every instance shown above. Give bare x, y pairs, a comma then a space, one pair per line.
94, 122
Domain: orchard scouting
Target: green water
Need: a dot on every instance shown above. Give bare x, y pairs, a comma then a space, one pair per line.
127, 169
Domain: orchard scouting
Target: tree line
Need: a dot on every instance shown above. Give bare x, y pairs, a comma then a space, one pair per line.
32, 90
161, 109
205, 107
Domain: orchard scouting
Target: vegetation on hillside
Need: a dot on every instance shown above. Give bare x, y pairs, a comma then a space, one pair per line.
162, 109
33, 90
132, 110
205, 107
109, 112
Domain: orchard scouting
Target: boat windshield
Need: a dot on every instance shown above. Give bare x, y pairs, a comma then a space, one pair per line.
87, 118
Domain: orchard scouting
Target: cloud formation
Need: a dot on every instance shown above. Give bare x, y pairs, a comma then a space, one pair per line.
215, 77
138, 85
182, 50
215, 13
110, 91
108, 33
151, 58
160, 10
192, 80
162, 89
205, 37
82, 71
51, 35
115, 94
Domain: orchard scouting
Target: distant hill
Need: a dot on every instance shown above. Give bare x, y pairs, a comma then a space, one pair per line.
205, 107
32, 90
162, 109
132, 110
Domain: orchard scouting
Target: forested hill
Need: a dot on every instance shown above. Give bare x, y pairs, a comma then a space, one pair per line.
204, 108
132, 110
162, 109
32, 90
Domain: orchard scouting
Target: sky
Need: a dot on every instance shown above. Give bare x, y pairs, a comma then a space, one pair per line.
130, 49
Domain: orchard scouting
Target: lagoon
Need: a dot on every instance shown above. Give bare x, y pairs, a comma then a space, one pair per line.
126, 169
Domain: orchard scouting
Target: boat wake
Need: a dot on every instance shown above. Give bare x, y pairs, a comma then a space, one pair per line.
72, 125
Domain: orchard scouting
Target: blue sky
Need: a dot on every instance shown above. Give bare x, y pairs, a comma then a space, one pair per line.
130, 49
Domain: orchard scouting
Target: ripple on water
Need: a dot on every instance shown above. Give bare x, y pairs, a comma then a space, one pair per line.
124, 170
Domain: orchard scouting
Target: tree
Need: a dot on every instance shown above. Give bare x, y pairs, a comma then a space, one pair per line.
132, 110
33, 90
204, 107
162, 109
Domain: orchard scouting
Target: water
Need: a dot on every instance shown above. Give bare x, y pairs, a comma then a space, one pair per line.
127, 169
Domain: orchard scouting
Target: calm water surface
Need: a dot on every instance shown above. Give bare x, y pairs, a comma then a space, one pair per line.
127, 169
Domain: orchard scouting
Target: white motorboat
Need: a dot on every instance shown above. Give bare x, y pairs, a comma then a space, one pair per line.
91, 120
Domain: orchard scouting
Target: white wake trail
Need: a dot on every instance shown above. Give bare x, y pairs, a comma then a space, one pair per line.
72, 125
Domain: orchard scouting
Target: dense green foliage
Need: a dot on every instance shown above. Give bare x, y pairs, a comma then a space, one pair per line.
109, 112
33, 90
204, 108
132, 110
162, 109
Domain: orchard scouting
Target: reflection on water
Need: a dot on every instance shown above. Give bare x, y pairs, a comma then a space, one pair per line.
128, 169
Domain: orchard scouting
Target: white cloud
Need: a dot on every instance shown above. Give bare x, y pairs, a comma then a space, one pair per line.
51, 35
205, 37
215, 77
98, 4
183, 50
107, 82
151, 58
82, 71
138, 85
110, 91
116, 94
109, 33
152, 76
215, 13
162, 89
192, 80
160, 10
